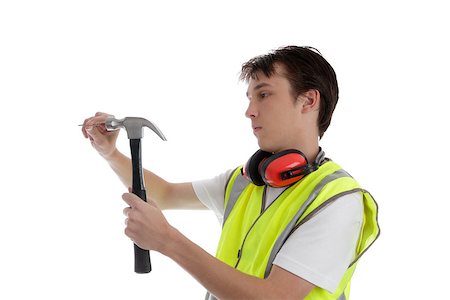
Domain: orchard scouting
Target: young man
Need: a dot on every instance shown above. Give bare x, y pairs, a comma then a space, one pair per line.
294, 222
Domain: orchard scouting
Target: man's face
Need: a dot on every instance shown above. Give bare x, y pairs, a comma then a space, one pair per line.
275, 115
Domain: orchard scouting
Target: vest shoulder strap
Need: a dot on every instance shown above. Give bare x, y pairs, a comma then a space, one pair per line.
238, 183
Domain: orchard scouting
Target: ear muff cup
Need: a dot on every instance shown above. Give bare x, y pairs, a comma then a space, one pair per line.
284, 168
252, 167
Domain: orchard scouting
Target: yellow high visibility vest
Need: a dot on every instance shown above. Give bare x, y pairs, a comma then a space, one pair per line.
252, 236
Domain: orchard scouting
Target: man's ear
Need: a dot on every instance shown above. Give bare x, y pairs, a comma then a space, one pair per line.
310, 100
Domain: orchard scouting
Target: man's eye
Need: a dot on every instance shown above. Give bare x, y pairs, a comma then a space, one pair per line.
264, 95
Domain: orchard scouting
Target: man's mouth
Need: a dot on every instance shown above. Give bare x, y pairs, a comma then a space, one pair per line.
256, 129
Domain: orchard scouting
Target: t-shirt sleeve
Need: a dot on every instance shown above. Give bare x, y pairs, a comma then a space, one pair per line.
322, 248
211, 192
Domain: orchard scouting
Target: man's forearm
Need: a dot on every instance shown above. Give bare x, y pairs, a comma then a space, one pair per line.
121, 165
167, 195
217, 277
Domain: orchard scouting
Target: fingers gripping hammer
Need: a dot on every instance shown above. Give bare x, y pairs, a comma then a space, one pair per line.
135, 127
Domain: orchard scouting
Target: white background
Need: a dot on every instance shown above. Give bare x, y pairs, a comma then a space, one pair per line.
177, 63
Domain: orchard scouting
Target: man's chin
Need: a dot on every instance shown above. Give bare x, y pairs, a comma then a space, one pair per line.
266, 148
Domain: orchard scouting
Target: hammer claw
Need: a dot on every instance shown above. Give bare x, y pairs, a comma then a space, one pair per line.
133, 125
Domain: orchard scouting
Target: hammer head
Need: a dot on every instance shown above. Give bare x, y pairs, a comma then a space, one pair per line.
133, 125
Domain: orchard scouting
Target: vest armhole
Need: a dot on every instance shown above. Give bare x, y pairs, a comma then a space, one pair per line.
377, 228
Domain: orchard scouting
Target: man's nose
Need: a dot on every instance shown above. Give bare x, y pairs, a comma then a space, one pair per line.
251, 111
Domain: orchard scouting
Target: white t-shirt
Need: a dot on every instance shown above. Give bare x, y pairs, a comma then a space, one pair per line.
321, 249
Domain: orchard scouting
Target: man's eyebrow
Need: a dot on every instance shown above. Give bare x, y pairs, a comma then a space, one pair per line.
259, 86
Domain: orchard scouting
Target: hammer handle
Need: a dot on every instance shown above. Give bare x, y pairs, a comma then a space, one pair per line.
142, 262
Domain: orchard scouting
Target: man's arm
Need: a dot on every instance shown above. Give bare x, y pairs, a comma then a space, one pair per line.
167, 195
148, 228
226, 282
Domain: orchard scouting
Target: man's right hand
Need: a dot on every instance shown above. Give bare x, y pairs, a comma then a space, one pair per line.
102, 140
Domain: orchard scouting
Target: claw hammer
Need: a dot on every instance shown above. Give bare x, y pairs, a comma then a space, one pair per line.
135, 127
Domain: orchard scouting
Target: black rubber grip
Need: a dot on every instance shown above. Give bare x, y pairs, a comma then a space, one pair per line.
142, 262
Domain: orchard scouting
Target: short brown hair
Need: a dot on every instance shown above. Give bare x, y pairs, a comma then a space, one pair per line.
306, 69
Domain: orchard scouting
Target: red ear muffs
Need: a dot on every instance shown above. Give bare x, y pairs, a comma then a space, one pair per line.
285, 168
277, 170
